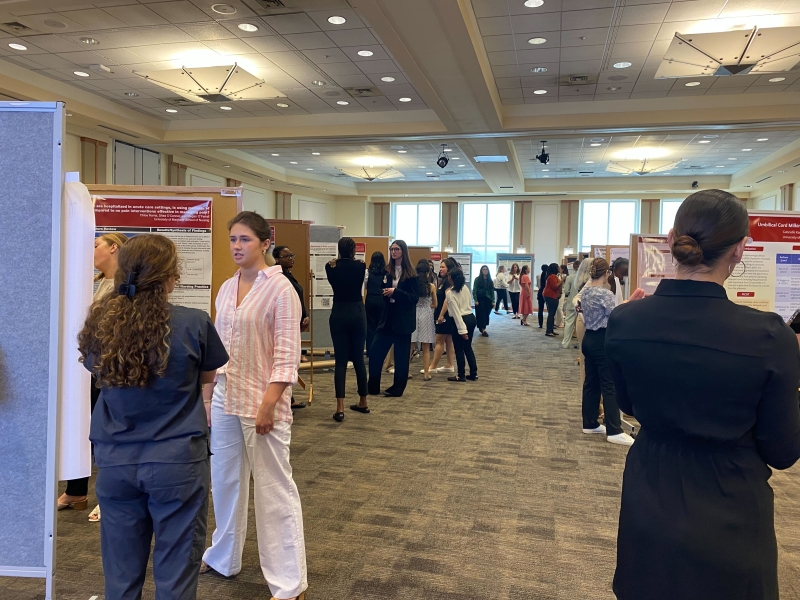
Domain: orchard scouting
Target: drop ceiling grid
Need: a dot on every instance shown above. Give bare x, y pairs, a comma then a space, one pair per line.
577, 32
288, 51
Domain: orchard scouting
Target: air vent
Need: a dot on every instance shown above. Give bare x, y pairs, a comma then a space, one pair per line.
363, 92
198, 157
215, 97
566, 169
797, 165
16, 27
179, 102
278, 7
577, 79
764, 179
252, 174
506, 187
118, 131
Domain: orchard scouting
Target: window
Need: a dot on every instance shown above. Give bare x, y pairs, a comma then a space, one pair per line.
417, 224
609, 222
669, 209
485, 231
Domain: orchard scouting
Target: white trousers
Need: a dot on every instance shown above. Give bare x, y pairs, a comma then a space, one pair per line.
237, 451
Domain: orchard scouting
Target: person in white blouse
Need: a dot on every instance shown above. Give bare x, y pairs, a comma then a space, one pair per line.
459, 301
514, 288
501, 289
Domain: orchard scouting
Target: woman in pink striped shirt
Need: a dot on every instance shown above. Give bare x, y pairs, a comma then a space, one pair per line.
258, 319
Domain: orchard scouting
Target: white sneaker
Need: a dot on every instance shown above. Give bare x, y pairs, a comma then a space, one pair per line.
599, 429
391, 370
623, 439
445, 369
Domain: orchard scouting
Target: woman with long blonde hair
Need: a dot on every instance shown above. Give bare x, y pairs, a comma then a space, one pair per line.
149, 428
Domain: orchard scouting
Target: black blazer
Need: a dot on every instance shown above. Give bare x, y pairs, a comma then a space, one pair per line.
400, 316
714, 386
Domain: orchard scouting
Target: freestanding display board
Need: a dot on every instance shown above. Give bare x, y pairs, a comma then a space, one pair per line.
417, 253
520, 259
31, 138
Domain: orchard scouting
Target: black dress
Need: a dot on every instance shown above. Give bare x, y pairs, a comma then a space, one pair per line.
714, 386
447, 327
374, 304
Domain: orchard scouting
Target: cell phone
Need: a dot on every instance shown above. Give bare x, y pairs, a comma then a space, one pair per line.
794, 321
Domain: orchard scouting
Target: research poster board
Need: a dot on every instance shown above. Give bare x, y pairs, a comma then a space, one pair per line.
598, 251
186, 221
361, 251
465, 260
768, 278
320, 254
507, 260
651, 262
615, 252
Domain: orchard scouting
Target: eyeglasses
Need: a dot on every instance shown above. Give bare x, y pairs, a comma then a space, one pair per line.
286, 256
395, 249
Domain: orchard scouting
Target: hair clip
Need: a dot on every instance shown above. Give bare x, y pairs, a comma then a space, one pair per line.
129, 287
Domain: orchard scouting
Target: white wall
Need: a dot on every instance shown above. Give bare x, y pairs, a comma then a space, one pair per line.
195, 178
545, 233
319, 210
258, 200
71, 155
353, 215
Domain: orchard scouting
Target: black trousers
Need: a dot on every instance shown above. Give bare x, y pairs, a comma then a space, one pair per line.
598, 381
348, 324
168, 501
482, 312
540, 299
501, 295
514, 302
377, 353
80, 487
552, 309
463, 347
374, 307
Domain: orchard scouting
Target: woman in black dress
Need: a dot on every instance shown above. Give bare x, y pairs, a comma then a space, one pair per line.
714, 386
374, 299
539, 294
483, 295
348, 323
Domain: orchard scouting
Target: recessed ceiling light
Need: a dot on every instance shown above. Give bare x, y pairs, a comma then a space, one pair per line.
545, 169
405, 99
595, 145
337, 20
539, 70
402, 151
292, 162
226, 166
315, 153
250, 28
747, 149
171, 110
420, 167
89, 41
428, 173
17, 47
539, 92
762, 139
711, 137
781, 171
598, 139
387, 79
692, 84
622, 65
342, 102
704, 142
455, 158
613, 88
131, 94
545, 175
733, 159
225, 108
537, 40
462, 165
309, 169
448, 149
281, 105
224, 9
777, 79
81, 74
589, 162
320, 83
534, 3
720, 166
365, 53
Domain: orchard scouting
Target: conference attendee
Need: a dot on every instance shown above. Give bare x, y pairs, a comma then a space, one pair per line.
258, 317
483, 294
458, 306
348, 323
501, 289
444, 330
149, 428
514, 289
374, 296
540, 294
582, 277
526, 296
596, 304
619, 271
570, 314
552, 289
425, 333
106, 255
398, 321
285, 258
563, 273
714, 387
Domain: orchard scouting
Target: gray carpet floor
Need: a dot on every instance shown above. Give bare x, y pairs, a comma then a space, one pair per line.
484, 490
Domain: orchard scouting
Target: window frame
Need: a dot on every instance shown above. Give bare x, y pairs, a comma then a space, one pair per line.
636, 219
460, 241
661, 212
393, 222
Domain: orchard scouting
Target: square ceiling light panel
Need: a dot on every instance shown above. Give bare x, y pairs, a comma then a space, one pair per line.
726, 53
212, 84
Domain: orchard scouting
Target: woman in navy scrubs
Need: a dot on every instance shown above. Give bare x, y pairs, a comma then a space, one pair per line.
149, 427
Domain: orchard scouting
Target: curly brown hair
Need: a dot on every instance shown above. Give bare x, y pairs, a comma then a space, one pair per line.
127, 338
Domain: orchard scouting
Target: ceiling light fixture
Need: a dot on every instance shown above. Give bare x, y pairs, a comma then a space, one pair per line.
387, 79
17, 47
545, 169
81, 74
226, 166
443, 159
315, 153
248, 27
595, 145
309, 169
537, 40
539, 92
320, 83
733, 159
365, 53
292, 162
282, 105
747, 149
171, 110
622, 65
428, 173
402, 151
720, 166
539, 70
274, 154
224, 9
462, 165
448, 149
692, 84
337, 20
613, 88
777, 79
405, 99
89, 41
704, 142
589, 162
342, 102
225, 108
762, 139
543, 157
370, 168
598, 140
534, 3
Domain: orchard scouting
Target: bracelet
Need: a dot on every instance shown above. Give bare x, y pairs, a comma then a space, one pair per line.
206, 401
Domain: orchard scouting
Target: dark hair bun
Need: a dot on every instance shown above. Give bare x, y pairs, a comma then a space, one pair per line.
687, 251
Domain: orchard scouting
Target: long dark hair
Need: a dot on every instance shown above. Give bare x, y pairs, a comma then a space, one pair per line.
423, 273
552, 269
525, 271
511, 270
488, 274
457, 276
407, 269
377, 264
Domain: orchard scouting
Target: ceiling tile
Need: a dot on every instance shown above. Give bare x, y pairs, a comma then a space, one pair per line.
376, 66
587, 19
644, 14
51, 43
181, 11
52, 61
509, 70
328, 55
93, 19
719, 91
539, 81
292, 23
345, 68
287, 59
228, 47
352, 37
694, 10
495, 26
631, 50
510, 93
576, 90
587, 4
585, 37
242, 10
536, 23
581, 67
399, 78
376, 104
207, 31
499, 43
490, 8
576, 53
321, 19
684, 91
766, 89
267, 44
354, 81
135, 15
513, 101
507, 82
622, 88
310, 41
734, 81
637, 33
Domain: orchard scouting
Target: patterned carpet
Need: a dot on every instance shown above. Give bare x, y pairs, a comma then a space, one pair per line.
484, 490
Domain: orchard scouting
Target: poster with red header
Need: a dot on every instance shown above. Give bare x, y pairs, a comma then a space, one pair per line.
768, 278
186, 221
361, 251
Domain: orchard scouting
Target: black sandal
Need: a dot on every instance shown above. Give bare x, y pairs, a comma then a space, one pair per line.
357, 408
459, 379
338, 417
